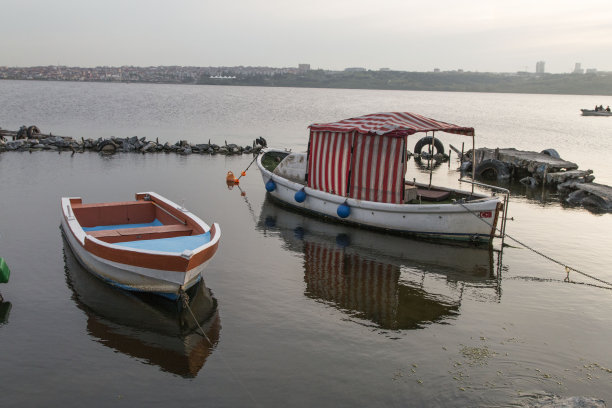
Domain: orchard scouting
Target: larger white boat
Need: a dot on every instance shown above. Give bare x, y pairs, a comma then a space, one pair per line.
354, 171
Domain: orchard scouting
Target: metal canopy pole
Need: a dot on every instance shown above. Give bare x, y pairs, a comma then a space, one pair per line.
473, 160
430, 161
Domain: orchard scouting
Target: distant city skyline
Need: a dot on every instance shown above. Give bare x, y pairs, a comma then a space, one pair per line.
471, 35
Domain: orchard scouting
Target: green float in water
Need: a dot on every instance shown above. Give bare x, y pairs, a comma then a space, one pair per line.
4, 271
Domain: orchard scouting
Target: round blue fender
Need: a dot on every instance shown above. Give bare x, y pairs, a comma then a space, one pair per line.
300, 196
343, 210
270, 186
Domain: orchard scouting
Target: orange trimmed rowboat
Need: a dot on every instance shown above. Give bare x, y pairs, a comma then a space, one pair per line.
147, 245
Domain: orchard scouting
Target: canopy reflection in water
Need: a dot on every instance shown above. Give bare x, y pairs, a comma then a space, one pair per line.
5, 309
394, 282
146, 327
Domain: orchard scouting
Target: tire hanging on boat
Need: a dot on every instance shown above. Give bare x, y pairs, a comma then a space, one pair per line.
426, 141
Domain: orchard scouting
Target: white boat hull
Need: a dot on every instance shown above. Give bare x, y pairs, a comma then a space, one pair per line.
472, 221
589, 112
134, 278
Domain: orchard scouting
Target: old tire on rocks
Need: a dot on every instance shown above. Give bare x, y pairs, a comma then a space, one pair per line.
493, 169
107, 147
426, 141
33, 130
552, 153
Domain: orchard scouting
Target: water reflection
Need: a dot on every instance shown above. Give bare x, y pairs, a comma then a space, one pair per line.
394, 282
146, 327
5, 310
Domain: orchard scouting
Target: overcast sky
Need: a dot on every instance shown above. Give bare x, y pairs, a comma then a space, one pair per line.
407, 35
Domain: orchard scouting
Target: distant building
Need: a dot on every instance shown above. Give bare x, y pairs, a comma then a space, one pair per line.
354, 69
384, 69
540, 67
436, 69
304, 67
578, 69
591, 70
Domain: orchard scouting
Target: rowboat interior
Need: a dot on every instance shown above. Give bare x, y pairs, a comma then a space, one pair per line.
139, 224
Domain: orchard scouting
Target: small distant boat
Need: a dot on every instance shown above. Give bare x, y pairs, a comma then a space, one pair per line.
148, 245
593, 112
355, 172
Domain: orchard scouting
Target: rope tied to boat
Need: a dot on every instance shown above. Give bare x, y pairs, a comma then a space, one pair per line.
252, 161
567, 267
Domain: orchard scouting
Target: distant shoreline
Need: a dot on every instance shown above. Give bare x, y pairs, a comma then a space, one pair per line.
555, 84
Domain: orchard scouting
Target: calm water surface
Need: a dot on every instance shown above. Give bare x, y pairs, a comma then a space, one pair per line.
299, 312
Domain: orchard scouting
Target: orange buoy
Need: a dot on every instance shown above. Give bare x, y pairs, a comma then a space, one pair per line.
236, 181
230, 176
243, 173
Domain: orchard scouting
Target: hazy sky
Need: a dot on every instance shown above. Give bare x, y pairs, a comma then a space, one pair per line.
474, 35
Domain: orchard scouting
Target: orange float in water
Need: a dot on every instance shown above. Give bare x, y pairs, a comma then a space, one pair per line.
230, 177
243, 173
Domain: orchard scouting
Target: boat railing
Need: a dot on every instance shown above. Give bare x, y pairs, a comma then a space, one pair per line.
506, 193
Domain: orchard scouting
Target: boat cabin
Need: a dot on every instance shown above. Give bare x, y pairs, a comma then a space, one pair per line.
364, 158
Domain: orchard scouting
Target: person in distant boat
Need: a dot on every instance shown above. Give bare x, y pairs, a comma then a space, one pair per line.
596, 108
608, 108
601, 107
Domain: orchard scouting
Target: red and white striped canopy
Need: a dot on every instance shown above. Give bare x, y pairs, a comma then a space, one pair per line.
393, 123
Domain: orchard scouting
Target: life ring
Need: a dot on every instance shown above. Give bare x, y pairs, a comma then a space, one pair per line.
493, 169
426, 141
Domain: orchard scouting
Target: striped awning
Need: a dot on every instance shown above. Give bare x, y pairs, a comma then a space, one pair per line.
329, 161
392, 123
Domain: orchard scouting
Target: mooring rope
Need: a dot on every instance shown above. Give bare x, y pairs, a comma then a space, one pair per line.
567, 267
253, 161
185, 302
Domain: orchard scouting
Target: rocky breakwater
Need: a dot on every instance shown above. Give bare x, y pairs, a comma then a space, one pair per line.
545, 169
30, 139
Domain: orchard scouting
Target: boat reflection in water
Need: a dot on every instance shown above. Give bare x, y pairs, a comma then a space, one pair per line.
144, 326
5, 309
392, 281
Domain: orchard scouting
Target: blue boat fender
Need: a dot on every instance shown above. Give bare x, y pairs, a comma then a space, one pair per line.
300, 196
343, 210
270, 186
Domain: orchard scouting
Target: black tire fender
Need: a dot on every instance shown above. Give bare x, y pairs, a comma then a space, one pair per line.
493, 169
426, 141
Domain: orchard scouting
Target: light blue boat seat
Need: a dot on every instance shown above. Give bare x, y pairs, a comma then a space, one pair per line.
175, 244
